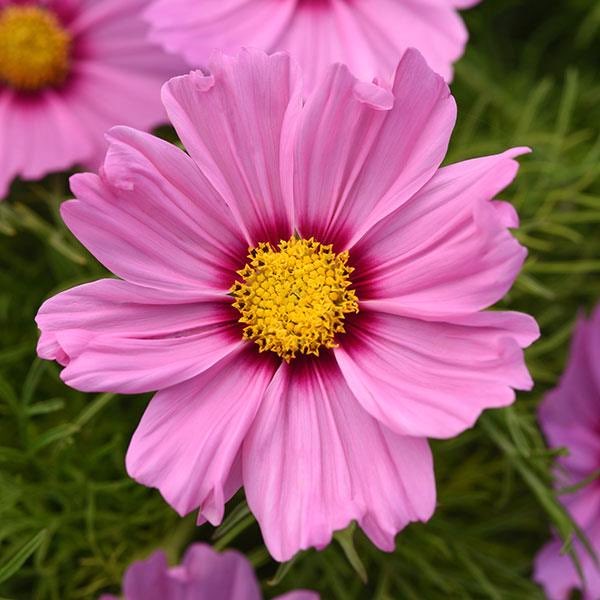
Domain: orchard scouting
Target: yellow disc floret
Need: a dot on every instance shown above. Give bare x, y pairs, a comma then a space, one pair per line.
294, 298
34, 48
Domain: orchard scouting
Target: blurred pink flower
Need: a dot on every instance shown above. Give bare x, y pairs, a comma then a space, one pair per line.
570, 418
203, 575
69, 70
369, 36
337, 433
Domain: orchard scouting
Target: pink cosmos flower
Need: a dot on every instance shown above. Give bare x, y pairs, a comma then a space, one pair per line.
69, 70
570, 418
203, 575
367, 35
310, 368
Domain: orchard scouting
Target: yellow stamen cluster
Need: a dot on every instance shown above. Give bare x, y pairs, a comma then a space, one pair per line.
294, 298
34, 48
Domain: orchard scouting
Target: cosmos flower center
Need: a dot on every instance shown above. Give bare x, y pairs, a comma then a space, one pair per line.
34, 48
294, 298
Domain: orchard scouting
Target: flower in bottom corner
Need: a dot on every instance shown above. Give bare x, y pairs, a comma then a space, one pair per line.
306, 291
202, 574
69, 70
570, 418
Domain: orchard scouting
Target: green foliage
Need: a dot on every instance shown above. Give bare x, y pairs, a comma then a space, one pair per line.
70, 519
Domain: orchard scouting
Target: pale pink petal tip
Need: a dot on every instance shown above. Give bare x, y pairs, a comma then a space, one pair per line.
374, 95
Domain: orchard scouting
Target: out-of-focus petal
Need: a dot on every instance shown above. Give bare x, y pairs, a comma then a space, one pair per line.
212, 575
367, 35
148, 579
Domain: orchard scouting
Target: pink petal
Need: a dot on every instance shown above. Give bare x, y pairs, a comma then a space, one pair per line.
189, 437
584, 504
114, 34
362, 153
115, 336
570, 418
195, 31
320, 34
103, 96
314, 460
434, 379
557, 574
431, 26
153, 219
564, 427
213, 575
148, 579
447, 251
237, 124
115, 66
570, 414
139, 366
370, 36
202, 574
55, 140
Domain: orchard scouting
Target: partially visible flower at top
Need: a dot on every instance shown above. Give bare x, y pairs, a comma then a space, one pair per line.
306, 289
570, 418
203, 574
369, 36
70, 70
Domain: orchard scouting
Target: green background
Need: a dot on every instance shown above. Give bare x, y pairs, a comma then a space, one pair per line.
70, 519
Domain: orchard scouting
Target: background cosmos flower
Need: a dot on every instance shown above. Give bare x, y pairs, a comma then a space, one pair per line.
69, 70
570, 417
320, 440
367, 35
203, 575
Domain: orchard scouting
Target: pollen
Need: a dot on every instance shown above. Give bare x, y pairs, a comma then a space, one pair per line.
294, 298
34, 48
